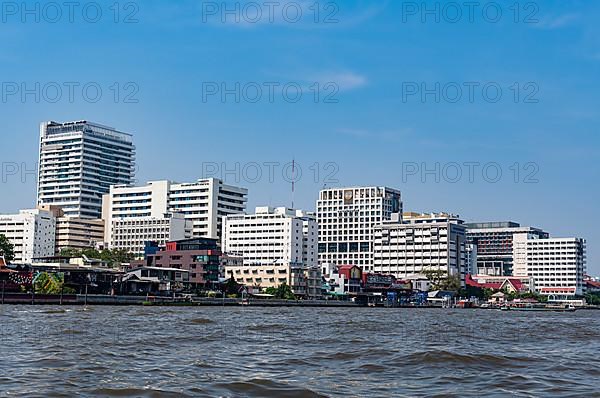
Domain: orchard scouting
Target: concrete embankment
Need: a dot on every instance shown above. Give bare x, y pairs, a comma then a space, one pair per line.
46, 299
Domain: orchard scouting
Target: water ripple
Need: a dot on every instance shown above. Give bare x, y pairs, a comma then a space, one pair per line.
299, 352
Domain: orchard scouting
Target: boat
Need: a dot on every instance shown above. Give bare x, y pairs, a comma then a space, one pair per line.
538, 307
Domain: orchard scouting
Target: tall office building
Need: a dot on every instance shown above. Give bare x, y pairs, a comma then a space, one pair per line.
78, 163
494, 243
347, 218
203, 203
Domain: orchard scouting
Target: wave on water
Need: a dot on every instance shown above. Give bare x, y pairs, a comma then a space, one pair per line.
448, 357
268, 388
134, 392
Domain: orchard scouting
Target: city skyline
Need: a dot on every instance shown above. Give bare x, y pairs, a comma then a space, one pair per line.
243, 171
339, 193
373, 129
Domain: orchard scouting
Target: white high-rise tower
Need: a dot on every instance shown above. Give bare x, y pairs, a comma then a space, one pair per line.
78, 163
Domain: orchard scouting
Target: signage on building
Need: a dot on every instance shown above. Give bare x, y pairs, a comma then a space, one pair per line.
380, 280
348, 197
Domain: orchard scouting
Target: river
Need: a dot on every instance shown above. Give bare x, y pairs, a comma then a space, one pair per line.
51, 351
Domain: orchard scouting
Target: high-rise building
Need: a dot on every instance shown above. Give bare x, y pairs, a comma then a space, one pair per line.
203, 203
421, 242
206, 202
277, 246
557, 265
78, 162
494, 243
347, 218
32, 233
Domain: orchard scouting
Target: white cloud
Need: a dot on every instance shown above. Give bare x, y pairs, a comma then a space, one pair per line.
344, 80
396, 135
557, 22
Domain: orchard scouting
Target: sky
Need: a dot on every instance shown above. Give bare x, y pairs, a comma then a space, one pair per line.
487, 111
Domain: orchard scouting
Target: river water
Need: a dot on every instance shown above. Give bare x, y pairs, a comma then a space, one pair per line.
296, 352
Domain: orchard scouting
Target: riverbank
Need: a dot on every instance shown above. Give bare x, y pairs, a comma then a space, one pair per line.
45, 299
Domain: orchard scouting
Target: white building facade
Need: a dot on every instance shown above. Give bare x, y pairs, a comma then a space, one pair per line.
132, 233
204, 203
419, 243
557, 265
32, 233
347, 218
274, 244
78, 162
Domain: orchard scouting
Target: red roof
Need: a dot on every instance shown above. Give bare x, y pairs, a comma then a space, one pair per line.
3, 268
471, 282
515, 282
593, 283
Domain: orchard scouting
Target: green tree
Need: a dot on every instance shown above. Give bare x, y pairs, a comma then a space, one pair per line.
593, 298
440, 280
487, 293
7, 249
283, 292
112, 257
232, 287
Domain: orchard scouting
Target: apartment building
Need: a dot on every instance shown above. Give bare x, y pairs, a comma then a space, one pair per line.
78, 162
277, 246
132, 233
405, 247
75, 233
204, 203
32, 233
557, 265
347, 218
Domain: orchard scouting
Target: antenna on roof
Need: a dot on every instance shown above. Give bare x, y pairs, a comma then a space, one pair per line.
293, 180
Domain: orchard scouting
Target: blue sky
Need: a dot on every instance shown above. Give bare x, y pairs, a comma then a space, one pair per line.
375, 131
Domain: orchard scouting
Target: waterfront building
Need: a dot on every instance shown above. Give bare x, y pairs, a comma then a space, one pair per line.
521, 284
347, 218
76, 233
494, 242
343, 280
407, 246
203, 203
131, 234
78, 162
200, 257
32, 233
155, 280
557, 265
277, 245
591, 285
